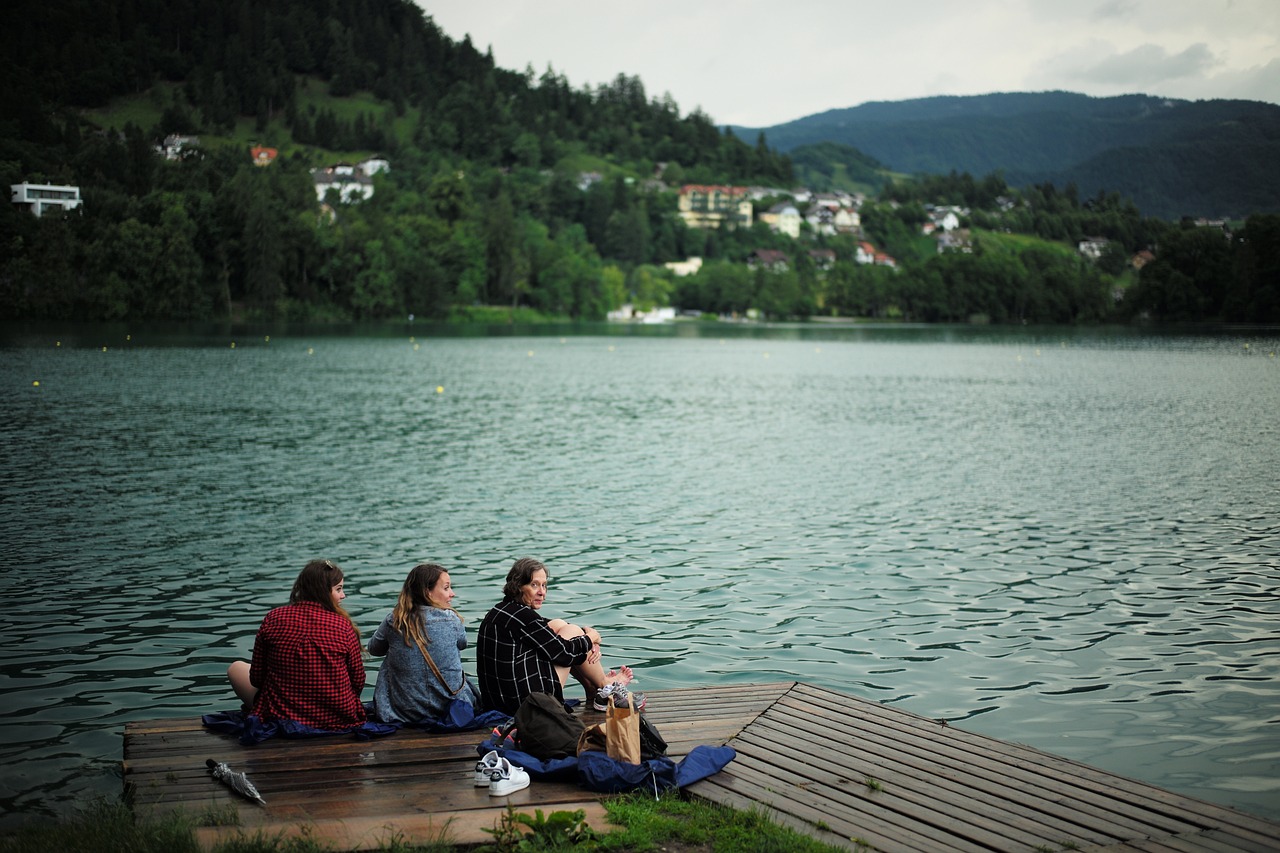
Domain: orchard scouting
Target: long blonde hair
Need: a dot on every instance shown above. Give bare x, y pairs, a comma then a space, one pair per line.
406, 618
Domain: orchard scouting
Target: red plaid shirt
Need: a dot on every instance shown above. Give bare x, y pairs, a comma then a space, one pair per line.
307, 668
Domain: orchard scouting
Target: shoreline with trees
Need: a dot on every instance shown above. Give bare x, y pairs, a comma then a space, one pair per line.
505, 190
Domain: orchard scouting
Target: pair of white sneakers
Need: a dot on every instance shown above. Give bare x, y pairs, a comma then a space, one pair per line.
500, 775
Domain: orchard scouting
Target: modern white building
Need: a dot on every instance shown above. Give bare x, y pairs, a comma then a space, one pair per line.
39, 198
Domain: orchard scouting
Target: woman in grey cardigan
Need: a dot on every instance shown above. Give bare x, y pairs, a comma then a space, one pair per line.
422, 639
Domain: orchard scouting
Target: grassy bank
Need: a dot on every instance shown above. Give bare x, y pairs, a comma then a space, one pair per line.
638, 823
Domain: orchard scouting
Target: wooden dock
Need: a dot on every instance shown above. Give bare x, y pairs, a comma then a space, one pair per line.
852, 773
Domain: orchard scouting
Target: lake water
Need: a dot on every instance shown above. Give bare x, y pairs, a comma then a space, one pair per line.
1066, 538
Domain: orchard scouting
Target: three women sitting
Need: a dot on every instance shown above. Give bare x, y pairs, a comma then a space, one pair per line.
307, 663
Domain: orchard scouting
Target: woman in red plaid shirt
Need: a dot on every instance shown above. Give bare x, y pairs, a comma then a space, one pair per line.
307, 664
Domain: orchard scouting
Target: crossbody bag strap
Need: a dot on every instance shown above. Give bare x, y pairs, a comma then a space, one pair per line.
422, 648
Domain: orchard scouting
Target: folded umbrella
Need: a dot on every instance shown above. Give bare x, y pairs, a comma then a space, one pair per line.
234, 779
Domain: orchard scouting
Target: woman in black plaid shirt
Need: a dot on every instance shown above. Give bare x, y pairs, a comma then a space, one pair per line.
519, 652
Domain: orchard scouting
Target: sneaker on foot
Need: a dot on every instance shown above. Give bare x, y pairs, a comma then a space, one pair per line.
619, 695
506, 778
484, 767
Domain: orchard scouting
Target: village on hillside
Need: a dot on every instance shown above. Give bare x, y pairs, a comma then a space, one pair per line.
797, 213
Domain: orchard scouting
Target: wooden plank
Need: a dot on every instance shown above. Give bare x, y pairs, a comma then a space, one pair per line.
927, 768
351, 793
1173, 813
745, 784
1201, 842
1049, 778
917, 802
804, 754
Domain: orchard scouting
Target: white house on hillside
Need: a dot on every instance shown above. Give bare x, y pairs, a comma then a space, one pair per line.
39, 198
177, 146
689, 266
783, 218
350, 183
1092, 247
847, 220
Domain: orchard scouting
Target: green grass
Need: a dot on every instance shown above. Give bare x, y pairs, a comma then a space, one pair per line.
105, 827
145, 109
499, 314
1014, 243
651, 825
638, 824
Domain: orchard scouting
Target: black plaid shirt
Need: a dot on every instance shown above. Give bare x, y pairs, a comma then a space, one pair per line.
516, 654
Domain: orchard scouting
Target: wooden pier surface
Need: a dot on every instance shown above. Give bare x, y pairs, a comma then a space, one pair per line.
853, 773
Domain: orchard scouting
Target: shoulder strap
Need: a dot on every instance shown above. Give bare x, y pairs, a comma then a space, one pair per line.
452, 692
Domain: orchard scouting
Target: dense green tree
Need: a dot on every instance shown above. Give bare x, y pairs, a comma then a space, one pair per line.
1189, 278
1255, 296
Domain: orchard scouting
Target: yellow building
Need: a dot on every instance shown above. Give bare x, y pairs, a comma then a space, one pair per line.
714, 206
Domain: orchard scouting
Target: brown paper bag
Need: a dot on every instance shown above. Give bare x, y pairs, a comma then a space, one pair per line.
622, 731
593, 738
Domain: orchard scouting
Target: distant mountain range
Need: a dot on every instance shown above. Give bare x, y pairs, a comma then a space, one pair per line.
1173, 158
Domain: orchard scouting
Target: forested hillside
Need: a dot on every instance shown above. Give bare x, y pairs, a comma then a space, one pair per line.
508, 192
481, 204
1173, 158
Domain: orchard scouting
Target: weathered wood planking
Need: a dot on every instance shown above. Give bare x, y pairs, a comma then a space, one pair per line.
805, 756
847, 771
355, 795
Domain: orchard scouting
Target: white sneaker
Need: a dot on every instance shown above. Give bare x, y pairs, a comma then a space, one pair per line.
484, 767
506, 778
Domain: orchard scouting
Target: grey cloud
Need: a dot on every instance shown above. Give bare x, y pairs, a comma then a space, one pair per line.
1149, 64
1120, 9
1260, 83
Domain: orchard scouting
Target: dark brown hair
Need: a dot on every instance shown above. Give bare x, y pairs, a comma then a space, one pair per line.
315, 583
520, 575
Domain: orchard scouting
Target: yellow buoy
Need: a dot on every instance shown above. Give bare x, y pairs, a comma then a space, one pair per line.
233, 344
104, 349
439, 389
266, 339
128, 337
58, 344
36, 383
310, 350
530, 353
415, 347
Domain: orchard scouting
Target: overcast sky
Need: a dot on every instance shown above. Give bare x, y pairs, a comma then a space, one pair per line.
759, 63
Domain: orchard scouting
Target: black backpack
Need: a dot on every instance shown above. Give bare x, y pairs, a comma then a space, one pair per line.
545, 728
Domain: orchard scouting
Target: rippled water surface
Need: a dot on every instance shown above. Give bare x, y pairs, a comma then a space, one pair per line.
1067, 539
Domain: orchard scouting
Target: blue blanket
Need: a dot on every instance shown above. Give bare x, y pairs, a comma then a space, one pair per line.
596, 771
251, 729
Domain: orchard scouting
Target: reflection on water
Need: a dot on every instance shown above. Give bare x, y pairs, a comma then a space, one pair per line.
1066, 539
